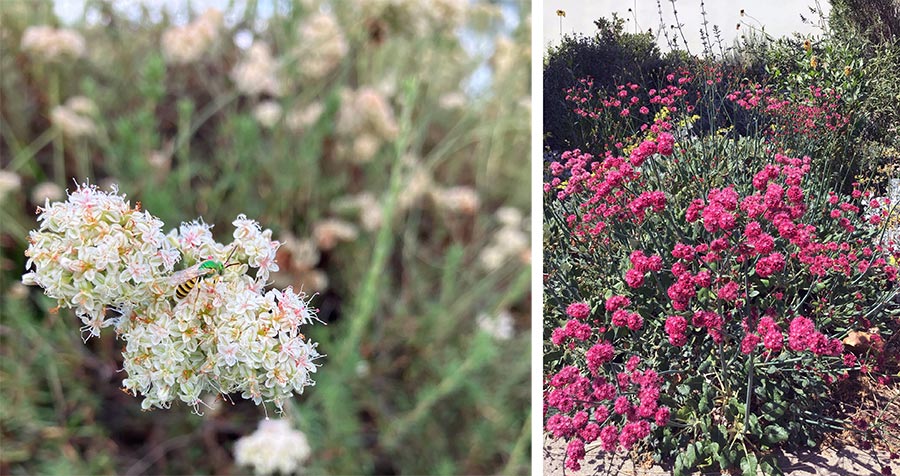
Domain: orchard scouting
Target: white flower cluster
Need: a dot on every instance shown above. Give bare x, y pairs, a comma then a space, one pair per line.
257, 73
320, 46
511, 240
500, 326
366, 119
186, 44
75, 117
94, 251
267, 113
227, 335
52, 44
273, 447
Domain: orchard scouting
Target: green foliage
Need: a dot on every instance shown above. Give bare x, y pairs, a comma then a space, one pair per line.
410, 384
611, 56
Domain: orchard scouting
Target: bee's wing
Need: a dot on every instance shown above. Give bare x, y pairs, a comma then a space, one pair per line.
186, 274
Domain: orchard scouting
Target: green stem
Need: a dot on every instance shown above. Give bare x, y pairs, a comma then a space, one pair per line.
750, 376
367, 298
59, 152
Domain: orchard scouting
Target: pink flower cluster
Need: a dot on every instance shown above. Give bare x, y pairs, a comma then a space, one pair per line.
581, 406
802, 335
578, 310
572, 332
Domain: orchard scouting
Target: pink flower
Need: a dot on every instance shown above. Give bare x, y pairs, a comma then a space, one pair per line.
728, 292
682, 251
575, 453
749, 343
662, 416
560, 426
635, 321
622, 406
590, 432
675, 328
632, 363
598, 355
617, 302
634, 278
693, 210
578, 310
609, 437
770, 265
800, 332
665, 143
633, 432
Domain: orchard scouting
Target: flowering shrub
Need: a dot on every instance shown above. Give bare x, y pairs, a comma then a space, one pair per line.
97, 254
719, 263
382, 143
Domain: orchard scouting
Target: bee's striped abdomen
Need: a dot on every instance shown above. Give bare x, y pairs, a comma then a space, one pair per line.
184, 288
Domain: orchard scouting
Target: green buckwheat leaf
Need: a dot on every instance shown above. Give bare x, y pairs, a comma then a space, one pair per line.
749, 465
775, 434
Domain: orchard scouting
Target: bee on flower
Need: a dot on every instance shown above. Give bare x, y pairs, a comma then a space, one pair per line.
208, 329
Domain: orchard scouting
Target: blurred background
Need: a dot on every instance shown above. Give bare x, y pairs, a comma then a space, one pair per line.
386, 143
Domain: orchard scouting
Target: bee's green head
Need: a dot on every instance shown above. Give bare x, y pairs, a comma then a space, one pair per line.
218, 267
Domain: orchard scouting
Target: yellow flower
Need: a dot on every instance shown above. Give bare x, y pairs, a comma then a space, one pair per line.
814, 62
561, 13
847, 70
807, 46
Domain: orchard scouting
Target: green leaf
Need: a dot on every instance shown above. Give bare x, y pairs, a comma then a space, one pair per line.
775, 434
678, 467
690, 456
749, 465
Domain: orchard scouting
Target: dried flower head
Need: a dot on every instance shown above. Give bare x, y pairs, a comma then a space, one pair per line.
366, 205
331, 231
273, 447
511, 240
52, 44
366, 110
257, 73
460, 199
186, 44
10, 182
45, 191
499, 326
299, 120
75, 117
321, 46
267, 113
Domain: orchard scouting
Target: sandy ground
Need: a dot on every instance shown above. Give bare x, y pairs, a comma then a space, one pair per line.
846, 461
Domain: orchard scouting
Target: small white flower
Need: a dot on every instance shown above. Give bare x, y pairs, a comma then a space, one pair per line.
257, 73
52, 44
267, 113
320, 46
186, 44
499, 327
229, 352
273, 447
